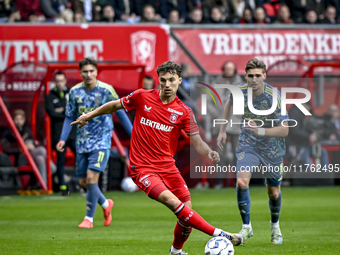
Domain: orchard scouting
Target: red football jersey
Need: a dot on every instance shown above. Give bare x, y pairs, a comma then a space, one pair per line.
156, 128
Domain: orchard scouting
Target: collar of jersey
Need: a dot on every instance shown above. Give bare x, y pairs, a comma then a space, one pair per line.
94, 86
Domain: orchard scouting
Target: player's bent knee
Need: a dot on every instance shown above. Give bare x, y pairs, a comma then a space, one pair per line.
172, 202
169, 199
82, 182
242, 184
188, 204
273, 192
92, 177
89, 180
274, 195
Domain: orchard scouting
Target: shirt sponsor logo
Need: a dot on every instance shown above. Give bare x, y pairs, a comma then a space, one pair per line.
174, 111
155, 125
83, 109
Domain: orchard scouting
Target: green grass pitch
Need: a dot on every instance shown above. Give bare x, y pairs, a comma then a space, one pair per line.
310, 223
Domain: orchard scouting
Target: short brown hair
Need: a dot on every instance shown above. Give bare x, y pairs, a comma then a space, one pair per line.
87, 61
19, 112
255, 63
170, 67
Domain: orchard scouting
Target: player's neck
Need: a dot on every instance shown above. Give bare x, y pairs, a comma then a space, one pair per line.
258, 92
90, 86
166, 100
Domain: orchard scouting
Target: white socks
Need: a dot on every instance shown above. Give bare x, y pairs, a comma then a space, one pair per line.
217, 232
274, 225
105, 204
246, 225
174, 250
89, 218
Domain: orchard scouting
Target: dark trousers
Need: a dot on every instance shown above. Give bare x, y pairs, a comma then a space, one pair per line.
61, 157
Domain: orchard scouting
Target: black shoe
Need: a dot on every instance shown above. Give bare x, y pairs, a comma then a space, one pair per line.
64, 192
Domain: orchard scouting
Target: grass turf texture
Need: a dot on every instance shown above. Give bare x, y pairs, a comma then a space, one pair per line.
310, 223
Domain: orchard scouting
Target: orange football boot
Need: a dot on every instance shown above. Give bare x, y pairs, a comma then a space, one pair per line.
107, 213
86, 224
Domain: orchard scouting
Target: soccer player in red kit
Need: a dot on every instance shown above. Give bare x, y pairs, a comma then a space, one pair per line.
160, 116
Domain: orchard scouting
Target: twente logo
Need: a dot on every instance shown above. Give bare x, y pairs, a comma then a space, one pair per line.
204, 97
143, 46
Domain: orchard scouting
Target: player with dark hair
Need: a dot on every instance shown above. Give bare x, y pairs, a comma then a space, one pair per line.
160, 116
258, 145
93, 141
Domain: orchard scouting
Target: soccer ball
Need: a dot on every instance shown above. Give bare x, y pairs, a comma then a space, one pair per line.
219, 246
128, 185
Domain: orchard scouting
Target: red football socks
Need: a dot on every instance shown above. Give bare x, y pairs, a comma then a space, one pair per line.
181, 234
191, 218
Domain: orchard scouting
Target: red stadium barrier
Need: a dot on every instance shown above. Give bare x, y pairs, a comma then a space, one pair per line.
22, 145
40, 74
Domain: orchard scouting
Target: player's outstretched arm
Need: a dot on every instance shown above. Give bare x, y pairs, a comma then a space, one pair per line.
222, 136
204, 149
107, 108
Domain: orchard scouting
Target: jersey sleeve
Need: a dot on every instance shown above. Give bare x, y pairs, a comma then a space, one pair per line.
190, 124
130, 102
71, 105
112, 94
277, 113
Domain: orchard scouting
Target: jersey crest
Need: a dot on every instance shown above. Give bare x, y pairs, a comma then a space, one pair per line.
173, 117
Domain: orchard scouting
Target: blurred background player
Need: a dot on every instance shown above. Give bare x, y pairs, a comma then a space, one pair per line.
307, 134
160, 117
333, 111
184, 91
265, 145
55, 104
148, 82
94, 140
229, 76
